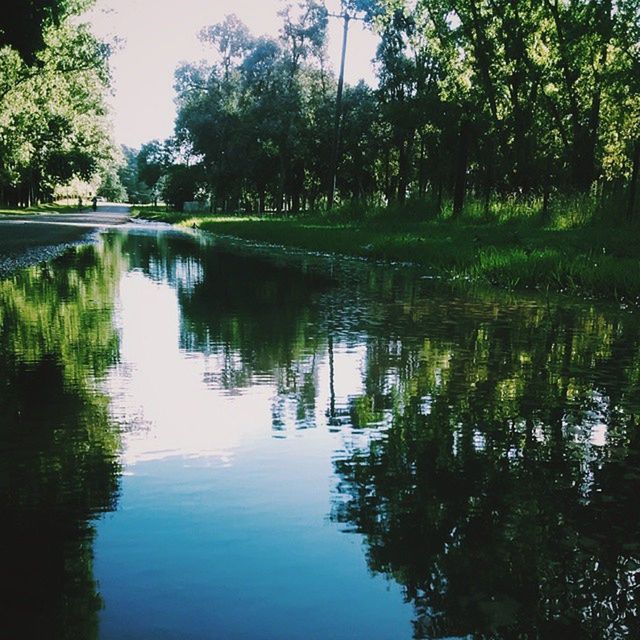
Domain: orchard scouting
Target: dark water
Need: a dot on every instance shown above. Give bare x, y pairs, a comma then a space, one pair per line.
201, 443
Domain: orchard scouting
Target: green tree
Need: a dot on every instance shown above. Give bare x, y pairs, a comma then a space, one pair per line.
181, 185
53, 118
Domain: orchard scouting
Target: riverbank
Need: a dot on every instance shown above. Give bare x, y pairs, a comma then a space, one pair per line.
593, 260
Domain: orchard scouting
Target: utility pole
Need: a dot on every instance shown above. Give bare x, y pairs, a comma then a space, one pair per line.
337, 125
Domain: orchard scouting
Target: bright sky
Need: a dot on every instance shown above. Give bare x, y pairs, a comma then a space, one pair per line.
156, 35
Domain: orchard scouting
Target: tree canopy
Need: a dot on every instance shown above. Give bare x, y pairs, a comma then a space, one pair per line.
53, 118
487, 98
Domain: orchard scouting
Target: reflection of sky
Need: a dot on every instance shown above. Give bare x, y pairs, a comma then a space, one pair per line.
164, 396
162, 388
222, 530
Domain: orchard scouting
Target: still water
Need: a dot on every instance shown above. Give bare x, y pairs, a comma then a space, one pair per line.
199, 442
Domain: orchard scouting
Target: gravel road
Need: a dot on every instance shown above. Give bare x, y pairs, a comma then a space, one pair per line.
29, 239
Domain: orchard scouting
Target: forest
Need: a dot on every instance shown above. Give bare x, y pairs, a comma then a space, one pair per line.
489, 108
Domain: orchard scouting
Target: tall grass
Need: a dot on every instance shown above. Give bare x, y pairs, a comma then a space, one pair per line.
565, 211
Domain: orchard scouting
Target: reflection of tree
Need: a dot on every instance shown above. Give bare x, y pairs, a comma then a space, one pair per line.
58, 453
486, 499
260, 318
256, 309
166, 257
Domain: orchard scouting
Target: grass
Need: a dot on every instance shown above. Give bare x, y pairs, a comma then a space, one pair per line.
160, 214
578, 252
43, 208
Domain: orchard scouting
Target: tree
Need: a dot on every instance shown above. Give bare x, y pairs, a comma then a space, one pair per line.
250, 120
476, 98
232, 40
111, 186
53, 118
23, 24
180, 185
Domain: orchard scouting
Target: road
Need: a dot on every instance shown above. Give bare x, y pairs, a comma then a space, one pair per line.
28, 239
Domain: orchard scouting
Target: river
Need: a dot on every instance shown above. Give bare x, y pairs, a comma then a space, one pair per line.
201, 441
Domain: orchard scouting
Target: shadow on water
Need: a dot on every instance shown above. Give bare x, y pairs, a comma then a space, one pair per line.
503, 495
58, 450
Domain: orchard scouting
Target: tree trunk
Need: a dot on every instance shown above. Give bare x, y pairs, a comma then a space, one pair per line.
460, 176
422, 173
387, 174
295, 202
488, 177
403, 169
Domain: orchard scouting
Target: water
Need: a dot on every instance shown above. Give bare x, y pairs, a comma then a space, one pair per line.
202, 442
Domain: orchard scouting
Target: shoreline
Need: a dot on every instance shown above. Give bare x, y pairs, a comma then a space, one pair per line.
585, 262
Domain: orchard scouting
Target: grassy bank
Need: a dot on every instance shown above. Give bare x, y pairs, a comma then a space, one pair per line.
594, 260
43, 208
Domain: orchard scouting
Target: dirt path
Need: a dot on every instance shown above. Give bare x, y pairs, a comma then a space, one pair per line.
28, 239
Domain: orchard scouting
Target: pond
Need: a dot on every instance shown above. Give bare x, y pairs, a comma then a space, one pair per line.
203, 441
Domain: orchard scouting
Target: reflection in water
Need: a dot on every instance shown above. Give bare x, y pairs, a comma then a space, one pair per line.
502, 497
491, 458
58, 449
483, 448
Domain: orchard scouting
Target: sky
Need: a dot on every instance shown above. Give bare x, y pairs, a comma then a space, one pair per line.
155, 36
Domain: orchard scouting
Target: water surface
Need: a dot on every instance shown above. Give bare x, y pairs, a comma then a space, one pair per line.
203, 442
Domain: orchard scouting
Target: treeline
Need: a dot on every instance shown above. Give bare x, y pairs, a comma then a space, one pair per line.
482, 98
53, 119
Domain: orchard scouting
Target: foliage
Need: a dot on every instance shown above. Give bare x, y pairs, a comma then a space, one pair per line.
180, 185
257, 122
487, 99
22, 24
111, 186
53, 119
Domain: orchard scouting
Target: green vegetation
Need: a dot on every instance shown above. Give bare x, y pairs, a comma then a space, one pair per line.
592, 259
501, 144
52, 207
141, 171
496, 102
54, 127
